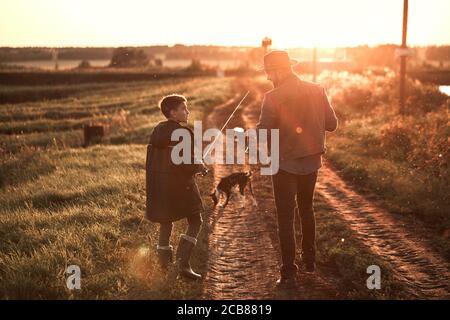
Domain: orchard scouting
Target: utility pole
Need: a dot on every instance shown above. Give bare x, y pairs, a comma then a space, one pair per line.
314, 64
403, 58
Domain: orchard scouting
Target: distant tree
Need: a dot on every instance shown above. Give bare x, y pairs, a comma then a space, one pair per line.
379, 56
195, 66
85, 53
129, 57
158, 62
85, 64
438, 53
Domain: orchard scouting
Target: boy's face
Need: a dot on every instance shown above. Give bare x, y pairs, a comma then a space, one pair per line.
181, 113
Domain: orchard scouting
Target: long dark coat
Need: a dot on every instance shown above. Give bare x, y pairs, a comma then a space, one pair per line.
172, 193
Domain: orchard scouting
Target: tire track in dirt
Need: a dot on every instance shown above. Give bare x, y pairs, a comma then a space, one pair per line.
414, 263
244, 257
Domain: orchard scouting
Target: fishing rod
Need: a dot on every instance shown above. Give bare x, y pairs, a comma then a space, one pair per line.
224, 126
208, 149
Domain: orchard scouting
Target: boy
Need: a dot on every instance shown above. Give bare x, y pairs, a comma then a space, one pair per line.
172, 193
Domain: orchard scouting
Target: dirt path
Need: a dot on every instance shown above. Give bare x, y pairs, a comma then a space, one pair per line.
244, 257
242, 262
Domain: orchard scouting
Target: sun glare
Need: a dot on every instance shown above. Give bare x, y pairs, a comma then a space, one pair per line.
323, 23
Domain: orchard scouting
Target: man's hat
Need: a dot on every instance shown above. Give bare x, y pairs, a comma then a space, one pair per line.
277, 59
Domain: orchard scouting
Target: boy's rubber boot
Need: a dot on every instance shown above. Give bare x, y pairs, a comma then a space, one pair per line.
184, 253
165, 256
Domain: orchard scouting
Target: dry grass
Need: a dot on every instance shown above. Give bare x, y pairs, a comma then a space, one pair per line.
400, 158
84, 207
62, 205
45, 124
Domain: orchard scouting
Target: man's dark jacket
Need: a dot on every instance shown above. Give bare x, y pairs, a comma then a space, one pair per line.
172, 193
302, 112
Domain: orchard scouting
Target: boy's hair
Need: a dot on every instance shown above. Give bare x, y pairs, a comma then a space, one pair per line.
170, 102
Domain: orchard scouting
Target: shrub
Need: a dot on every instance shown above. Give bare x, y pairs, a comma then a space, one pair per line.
85, 64
396, 139
129, 57
424, 98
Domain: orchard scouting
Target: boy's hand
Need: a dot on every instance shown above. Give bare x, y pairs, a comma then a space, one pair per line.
204, 171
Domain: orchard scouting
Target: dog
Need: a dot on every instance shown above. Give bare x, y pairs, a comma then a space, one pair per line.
226, 184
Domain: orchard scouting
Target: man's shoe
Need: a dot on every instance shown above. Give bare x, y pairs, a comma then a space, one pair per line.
308, 258
310, 267
287, 283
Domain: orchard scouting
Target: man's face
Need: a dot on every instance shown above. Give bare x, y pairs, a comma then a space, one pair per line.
272, 75
181, 113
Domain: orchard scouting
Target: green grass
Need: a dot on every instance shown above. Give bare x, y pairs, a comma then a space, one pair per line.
64, 205
84, 207
19, 94
45, 124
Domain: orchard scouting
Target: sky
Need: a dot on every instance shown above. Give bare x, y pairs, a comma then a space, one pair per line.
290, 23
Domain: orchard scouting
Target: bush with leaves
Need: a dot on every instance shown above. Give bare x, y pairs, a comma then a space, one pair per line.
129, 58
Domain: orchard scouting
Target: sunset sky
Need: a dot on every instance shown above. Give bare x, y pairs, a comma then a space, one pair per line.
294, 23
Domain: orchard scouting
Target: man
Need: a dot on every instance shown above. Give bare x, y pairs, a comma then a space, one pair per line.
172, 193
302, 113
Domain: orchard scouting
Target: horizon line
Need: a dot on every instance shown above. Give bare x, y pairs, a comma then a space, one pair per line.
223, 46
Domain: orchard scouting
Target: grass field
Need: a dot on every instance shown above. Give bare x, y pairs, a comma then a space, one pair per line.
63, 205
85, 208
130, 109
